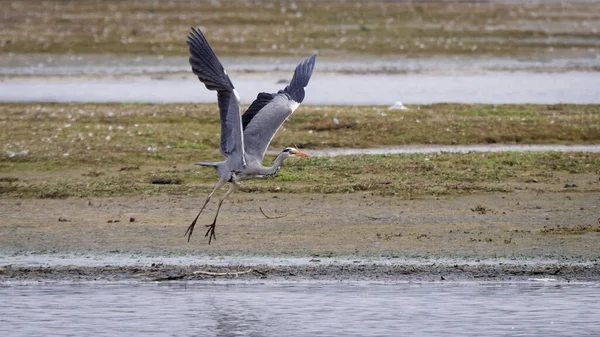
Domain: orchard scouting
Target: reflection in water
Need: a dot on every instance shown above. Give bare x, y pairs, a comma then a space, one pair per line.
302, 309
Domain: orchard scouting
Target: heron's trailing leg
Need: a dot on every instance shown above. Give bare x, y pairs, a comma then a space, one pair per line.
211, 228
190, 229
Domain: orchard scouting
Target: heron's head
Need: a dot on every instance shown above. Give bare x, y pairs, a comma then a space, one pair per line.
291, 152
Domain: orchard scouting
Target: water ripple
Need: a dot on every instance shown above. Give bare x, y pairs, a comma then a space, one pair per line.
302, 310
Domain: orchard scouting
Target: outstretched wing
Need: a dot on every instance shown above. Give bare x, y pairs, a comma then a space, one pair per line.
268, 112
210, 71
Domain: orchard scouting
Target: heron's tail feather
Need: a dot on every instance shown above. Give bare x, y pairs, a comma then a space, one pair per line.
205, 63
300, 80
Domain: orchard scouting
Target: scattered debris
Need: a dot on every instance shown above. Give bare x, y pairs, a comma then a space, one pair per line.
162, 180
92, 174
129, 168
397, 106
480, 209
577, 229
12, 154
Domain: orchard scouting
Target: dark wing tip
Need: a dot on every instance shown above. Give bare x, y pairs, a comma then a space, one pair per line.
205, 63
303, 72
300, 80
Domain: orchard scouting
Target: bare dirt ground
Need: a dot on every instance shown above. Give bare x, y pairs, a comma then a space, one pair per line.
518, 228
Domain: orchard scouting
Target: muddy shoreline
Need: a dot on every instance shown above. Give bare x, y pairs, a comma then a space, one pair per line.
321, 273
338, 237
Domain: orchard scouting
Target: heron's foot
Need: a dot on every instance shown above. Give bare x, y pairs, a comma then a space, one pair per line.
190, 229
211, 232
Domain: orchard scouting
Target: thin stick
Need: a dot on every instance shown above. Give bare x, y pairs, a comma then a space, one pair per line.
272, 217
236, 273
210, 273
373, 217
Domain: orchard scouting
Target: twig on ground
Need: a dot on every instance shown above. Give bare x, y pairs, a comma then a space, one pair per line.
263, 272
235, 273
271, 217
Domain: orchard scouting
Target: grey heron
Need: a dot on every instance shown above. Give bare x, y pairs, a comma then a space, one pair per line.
244, 138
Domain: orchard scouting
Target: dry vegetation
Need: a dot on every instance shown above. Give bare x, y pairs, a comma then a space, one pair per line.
335, 28
575, 229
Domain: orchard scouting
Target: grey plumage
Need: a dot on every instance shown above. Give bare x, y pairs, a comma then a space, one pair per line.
244, 139
269, 111
294, 91
209, 70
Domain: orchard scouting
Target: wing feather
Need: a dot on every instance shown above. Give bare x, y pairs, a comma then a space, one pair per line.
210, 71
269, 111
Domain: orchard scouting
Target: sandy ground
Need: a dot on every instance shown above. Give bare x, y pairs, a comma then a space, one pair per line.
480, 236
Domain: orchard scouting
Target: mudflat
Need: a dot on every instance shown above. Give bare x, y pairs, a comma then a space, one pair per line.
357, 236
107, 182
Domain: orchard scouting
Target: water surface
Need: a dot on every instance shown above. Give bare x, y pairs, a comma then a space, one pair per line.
103, 65
324, 89
305, 309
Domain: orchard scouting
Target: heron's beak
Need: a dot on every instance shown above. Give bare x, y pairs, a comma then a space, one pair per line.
301, 154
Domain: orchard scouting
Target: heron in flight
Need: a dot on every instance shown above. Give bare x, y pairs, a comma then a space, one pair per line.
244, 138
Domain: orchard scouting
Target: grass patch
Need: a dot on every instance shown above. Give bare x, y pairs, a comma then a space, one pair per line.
194, 146
405, 176
81, 150
45, 137
271, 28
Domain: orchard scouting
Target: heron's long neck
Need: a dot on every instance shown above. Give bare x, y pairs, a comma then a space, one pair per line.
269, 171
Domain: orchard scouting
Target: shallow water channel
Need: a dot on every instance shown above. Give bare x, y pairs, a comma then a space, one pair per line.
324, 89
301, 309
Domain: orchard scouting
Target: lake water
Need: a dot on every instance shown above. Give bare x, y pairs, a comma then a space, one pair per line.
301, 309
325, 89
358, 81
